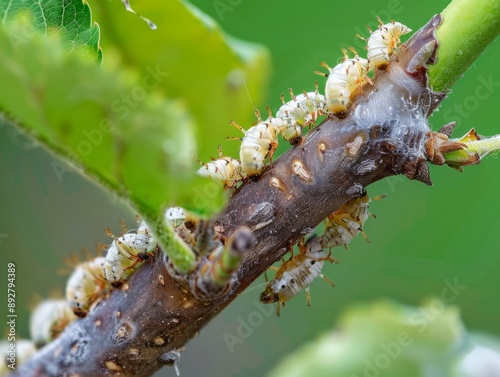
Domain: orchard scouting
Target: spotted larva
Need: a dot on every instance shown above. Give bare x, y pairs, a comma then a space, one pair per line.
48, 320
383, 42
175, 216
347, 222
259, 143
225, 169
344, 81
126, 251
302, 111
85, 285
297, 273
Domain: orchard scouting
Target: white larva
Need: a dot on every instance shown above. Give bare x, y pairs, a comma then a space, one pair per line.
259, 143
48, 320
85, 285
126, 251
383, 42
296, 274
347, 222
225, 169
344, 81
302, 111
175, 216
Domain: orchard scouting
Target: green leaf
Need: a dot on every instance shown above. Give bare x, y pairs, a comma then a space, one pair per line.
219, 77
116, 126
68, 102
71, 19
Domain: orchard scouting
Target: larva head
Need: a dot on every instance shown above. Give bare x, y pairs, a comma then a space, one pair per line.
269, 296
277, 290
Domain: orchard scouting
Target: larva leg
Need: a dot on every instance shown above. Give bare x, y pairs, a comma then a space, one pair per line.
364, 235
236, 125
137, 260
308, 295
341, 219
274, 268
123, 227
327, 280
272, 149
329, 258
278, 308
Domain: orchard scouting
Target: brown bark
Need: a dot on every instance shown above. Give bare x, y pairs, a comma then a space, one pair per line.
385, 132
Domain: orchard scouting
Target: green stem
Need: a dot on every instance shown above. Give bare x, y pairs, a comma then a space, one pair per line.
473, 152
468, 27
179, 253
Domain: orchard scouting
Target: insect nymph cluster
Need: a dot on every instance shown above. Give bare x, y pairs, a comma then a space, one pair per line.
90, 282
344, 82
217, 258
300, 270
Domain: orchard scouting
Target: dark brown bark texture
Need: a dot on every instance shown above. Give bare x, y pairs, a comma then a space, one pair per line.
141, 326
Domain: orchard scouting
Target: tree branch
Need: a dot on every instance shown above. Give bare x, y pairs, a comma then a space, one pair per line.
143, 325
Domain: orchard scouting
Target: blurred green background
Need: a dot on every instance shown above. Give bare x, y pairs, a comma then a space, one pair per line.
422, 236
